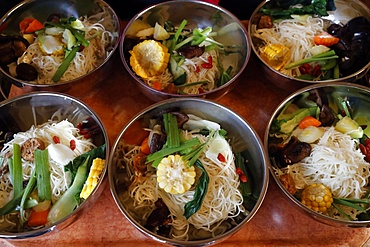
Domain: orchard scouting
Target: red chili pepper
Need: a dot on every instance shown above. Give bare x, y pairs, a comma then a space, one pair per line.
316, 71
201, 90
239, 171
305, 68
243, 178
221, 157
367, 142
72, 144
56, 139
206, 65
363, 149
209, 64
197, 69
367, 157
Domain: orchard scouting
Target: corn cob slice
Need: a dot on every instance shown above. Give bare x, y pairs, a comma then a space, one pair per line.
149, 58
275, 55
317, 197
174, 176
93, 178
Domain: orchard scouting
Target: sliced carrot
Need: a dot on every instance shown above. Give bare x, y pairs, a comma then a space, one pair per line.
309, 121
157, 85
145, 148
38, 218
325, 39
30, 25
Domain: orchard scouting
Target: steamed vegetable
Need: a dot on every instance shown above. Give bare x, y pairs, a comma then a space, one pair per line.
67, 202
200, 192
284, 9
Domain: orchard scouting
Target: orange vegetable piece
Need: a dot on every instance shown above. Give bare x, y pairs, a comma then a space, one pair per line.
144, 148
30, 25
157, 85
38, 218
309, 121
325, 39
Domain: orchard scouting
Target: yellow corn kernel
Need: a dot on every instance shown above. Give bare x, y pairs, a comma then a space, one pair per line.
275, 55
93, 178
174, 176
318, 197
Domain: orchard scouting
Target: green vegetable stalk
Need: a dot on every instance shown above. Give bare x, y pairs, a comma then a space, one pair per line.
319, 57
67, 203
43, 174
17, 177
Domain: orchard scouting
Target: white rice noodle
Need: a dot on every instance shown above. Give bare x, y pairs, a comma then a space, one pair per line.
297, 35
336, 162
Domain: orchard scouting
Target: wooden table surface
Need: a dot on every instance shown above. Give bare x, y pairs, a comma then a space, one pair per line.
277, 222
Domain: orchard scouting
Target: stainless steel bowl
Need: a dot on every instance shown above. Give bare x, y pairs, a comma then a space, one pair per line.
198, 14
36, 108
41, 10
241, 135
345, 11
357, 97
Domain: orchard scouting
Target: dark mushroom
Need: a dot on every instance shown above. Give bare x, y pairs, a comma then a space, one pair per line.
191, 51
296, 151
11, 47
159, 216
291, 153
181, 118
265, 21
29, 146
326, 116
26, 72
157, 142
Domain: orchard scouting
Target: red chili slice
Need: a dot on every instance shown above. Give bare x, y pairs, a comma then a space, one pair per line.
221, 158
243, 178
239, 171
206, 65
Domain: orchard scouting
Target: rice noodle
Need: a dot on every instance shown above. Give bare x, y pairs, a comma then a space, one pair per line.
100, 31
336, 162
222, 203
297, 35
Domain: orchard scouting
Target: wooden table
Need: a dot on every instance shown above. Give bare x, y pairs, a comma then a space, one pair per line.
277, 223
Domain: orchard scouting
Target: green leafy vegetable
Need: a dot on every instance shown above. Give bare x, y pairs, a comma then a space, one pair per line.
201, 188
67, 203
282, 9
73, 165
245, 187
